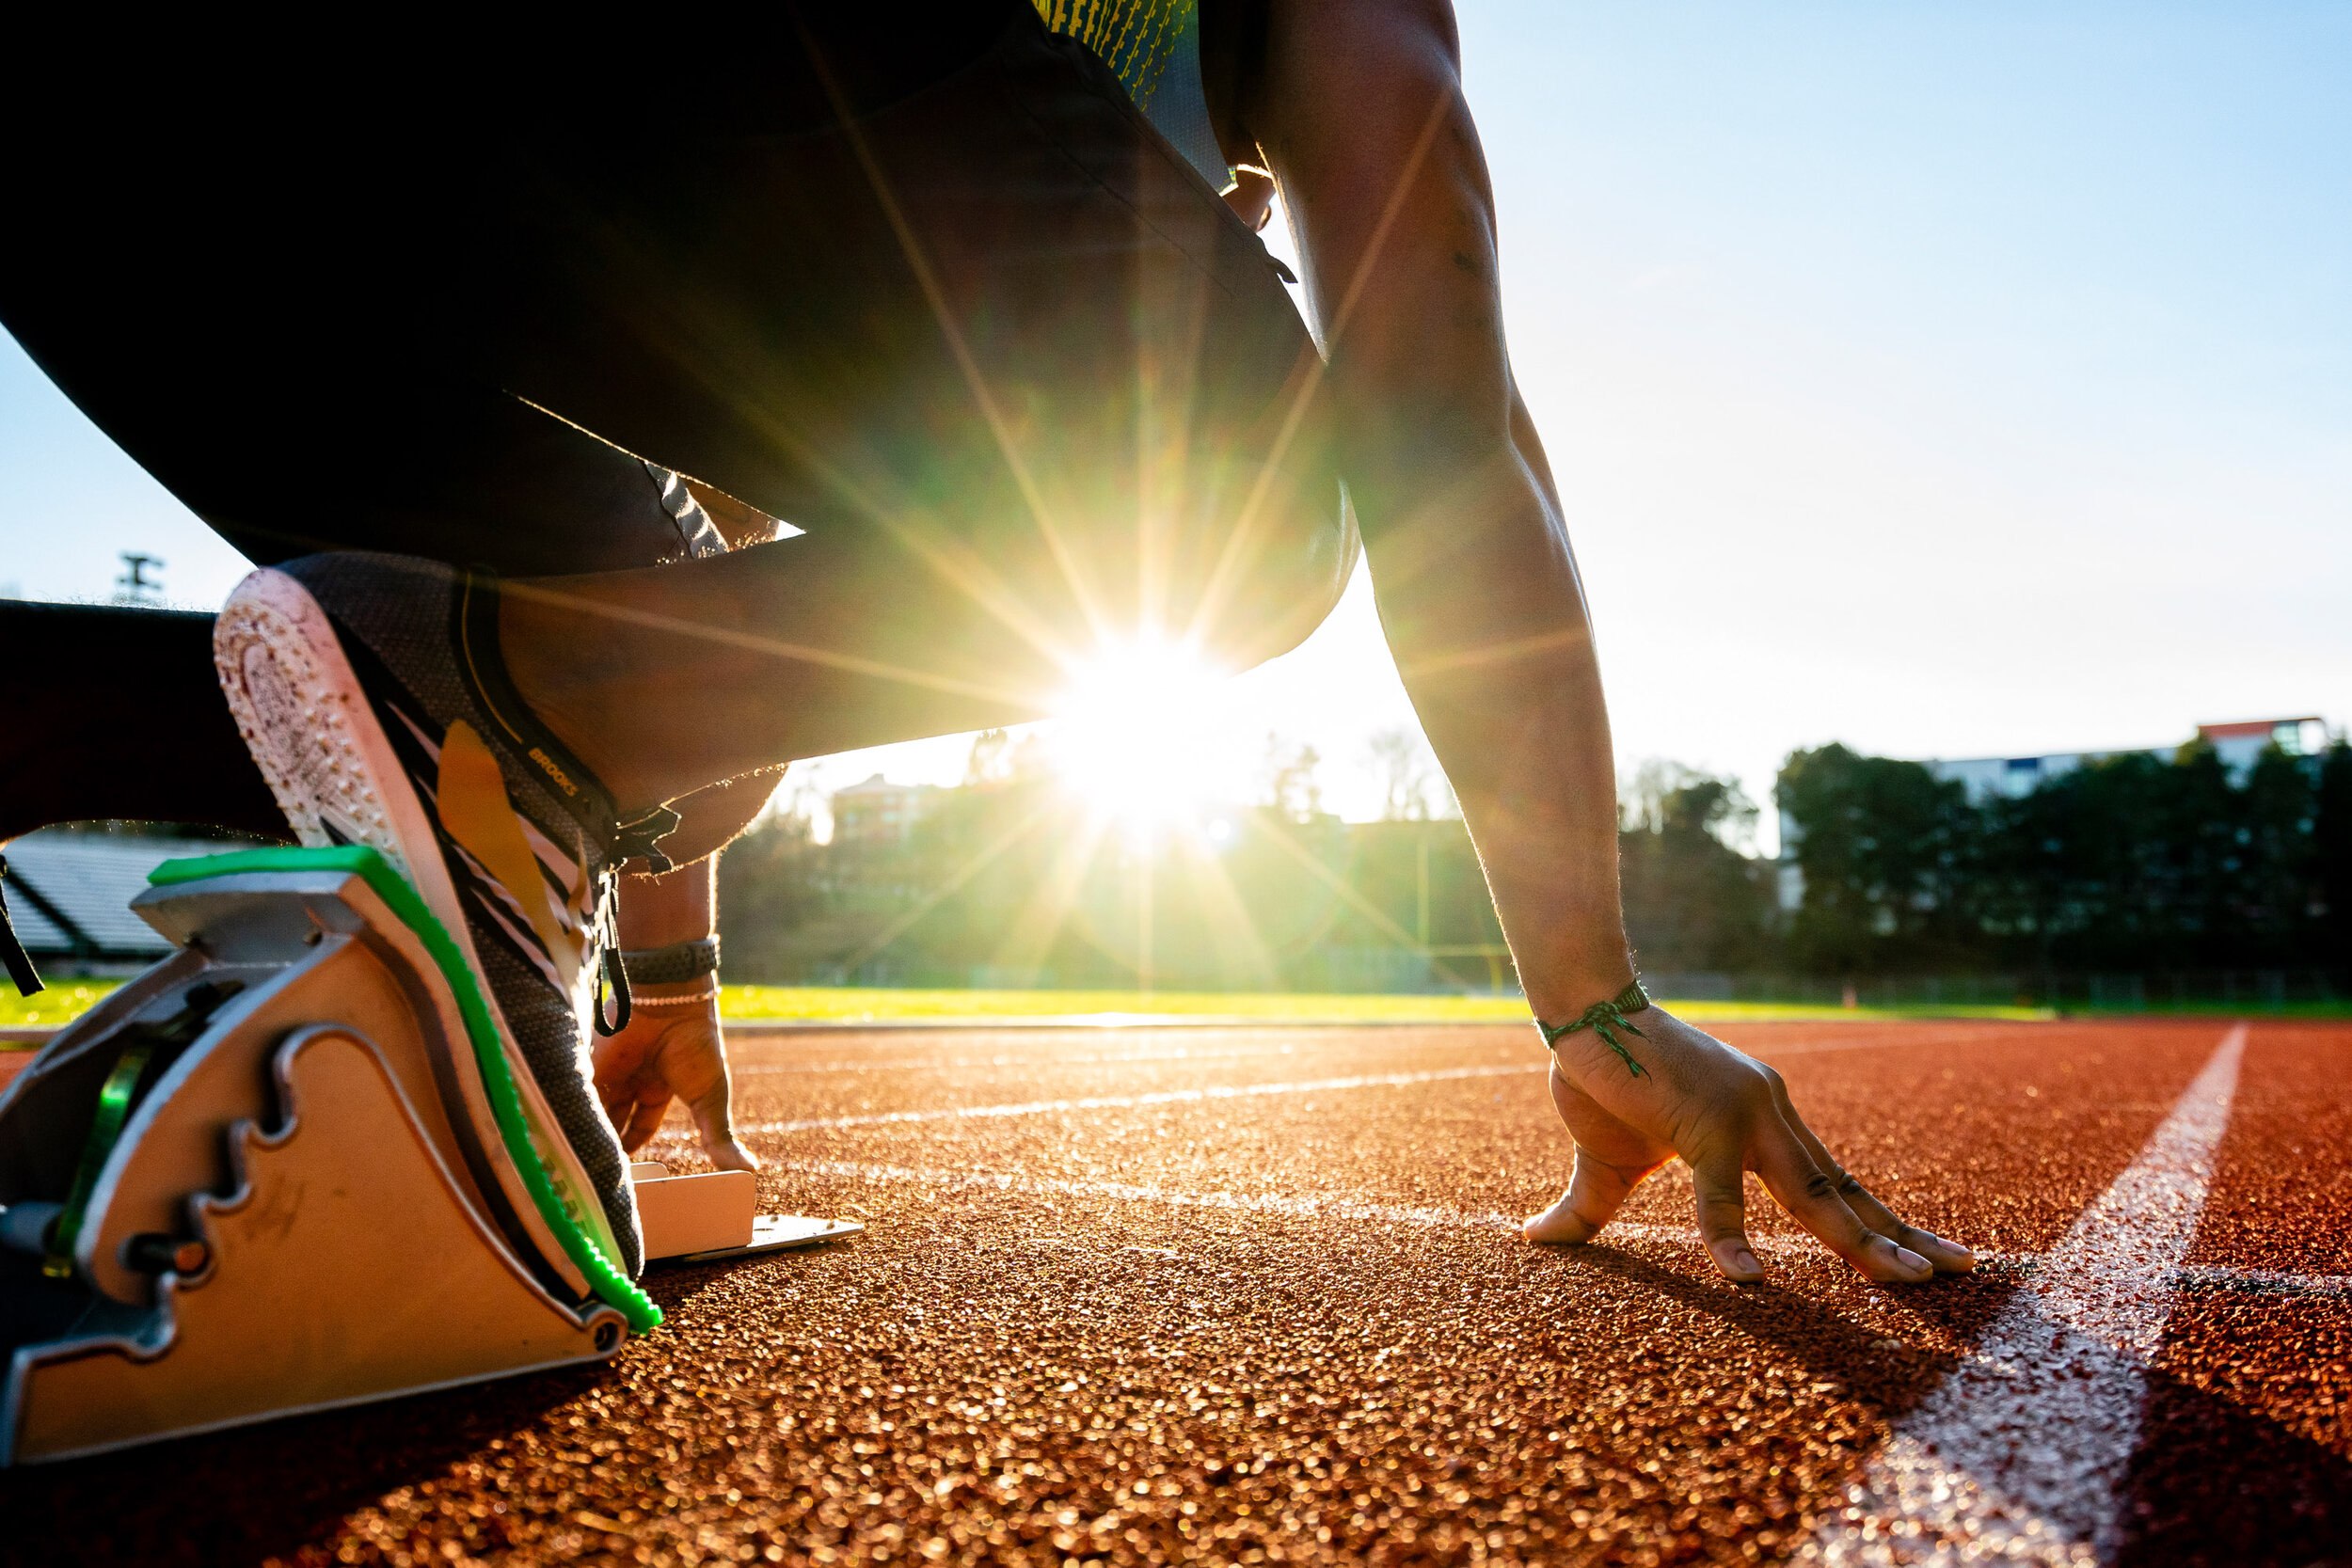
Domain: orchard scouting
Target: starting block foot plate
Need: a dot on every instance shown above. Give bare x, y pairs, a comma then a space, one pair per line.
780, 1233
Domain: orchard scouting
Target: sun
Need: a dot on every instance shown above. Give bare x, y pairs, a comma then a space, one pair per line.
1134, 734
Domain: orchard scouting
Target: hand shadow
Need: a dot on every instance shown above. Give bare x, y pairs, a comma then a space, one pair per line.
1816, 1333
2215, 1480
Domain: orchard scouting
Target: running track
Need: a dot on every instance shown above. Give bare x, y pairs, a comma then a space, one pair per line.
1252, 1294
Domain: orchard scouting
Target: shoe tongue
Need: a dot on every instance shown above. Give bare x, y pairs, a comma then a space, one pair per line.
470, 794
567, 780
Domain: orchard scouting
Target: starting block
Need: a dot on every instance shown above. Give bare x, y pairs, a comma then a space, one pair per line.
291, 1168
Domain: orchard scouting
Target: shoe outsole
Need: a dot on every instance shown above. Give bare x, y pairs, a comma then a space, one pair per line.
312, 731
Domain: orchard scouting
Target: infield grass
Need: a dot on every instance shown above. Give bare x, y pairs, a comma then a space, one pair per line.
67, 1000
853, 1004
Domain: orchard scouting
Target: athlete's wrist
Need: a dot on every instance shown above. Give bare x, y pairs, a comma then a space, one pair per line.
677, 998
1560, 992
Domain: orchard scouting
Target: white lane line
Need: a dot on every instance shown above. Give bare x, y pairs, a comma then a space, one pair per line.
1128, 1101
1430, 1218
1251, 1203
2201, 1276
957, 1064
2020, 1453
2265, 1282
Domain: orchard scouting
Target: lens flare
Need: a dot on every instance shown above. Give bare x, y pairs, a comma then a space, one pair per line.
1134, 734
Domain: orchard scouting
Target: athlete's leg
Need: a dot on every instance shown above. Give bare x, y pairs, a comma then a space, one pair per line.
220, 299
1054, 418
1023, 380
1026, 383
148, 738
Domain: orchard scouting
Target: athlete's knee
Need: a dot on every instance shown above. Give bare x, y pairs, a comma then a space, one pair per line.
1281, 572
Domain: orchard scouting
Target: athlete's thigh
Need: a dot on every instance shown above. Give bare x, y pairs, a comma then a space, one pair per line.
995, 338
982, 328
249, 315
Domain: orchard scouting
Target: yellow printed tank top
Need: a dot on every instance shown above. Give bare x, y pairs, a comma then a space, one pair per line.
1154, 48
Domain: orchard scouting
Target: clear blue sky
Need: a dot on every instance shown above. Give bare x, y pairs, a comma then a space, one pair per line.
1948, 380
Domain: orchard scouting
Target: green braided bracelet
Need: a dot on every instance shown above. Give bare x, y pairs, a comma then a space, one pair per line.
1604, 1019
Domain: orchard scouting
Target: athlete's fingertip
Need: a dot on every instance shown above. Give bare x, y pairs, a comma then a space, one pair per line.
1737, 1260
1559, 1226
1892, 1263
1950, 1256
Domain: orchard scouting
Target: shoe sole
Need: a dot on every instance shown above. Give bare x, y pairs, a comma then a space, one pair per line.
324, 754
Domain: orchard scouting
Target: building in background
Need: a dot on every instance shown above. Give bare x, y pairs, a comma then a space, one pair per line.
2238, 744
69, 893
878, 812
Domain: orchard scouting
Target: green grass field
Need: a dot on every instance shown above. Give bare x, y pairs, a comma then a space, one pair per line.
850, 1005
68, 999
64, 1001
842, 1004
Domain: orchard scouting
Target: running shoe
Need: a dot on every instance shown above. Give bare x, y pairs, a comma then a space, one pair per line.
371, 692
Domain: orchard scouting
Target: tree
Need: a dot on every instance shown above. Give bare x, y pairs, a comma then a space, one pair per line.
1291, 788
2333, 856
1887, 850
2132, 861
772, 889
991, 758
1401, 760
1691, 900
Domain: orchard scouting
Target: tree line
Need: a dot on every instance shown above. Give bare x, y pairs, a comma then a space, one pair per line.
2130, 864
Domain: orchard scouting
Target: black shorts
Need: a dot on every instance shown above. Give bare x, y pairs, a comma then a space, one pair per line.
923, 272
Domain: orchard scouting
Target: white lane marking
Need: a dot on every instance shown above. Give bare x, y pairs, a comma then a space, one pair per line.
2203, 1276
1253, 1203
2269, 1282
2020, 1453
1249, 1203
2219, 1276
1179, 1053
1129, 1101
953, 1064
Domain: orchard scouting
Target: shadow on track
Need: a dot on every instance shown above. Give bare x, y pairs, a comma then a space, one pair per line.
2216, 1480
2213, 1481
269, 1491
1820, 1337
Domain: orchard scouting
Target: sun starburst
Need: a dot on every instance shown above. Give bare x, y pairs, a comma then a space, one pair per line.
1134, 734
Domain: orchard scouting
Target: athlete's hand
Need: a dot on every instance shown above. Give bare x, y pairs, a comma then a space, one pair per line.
1725, 1114
666, 1054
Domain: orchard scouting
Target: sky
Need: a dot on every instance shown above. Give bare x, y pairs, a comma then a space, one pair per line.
1946, 381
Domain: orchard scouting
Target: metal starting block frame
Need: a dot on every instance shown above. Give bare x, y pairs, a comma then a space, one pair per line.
282, 1170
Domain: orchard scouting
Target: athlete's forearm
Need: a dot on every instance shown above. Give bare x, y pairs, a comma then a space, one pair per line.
1360, 110
1481, 603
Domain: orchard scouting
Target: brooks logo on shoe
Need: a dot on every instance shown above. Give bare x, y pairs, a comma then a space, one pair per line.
548, 767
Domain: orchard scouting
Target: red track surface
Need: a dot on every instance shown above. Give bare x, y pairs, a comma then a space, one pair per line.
1307, 1337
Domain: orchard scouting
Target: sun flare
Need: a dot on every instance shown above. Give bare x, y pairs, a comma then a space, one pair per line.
1132, 733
